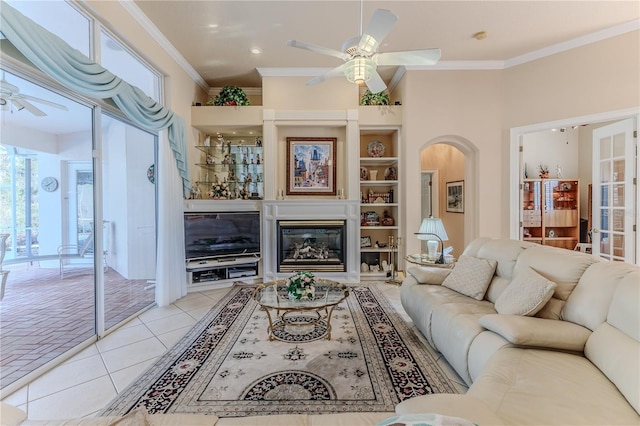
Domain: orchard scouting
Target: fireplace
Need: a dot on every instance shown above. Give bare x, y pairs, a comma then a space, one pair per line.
311, 245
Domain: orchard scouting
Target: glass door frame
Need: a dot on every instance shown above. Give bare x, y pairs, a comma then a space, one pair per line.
515, 166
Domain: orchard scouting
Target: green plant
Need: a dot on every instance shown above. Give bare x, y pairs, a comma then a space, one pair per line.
380, 98
301, 284
230, 95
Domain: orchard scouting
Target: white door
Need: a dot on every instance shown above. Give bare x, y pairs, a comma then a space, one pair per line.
614, 204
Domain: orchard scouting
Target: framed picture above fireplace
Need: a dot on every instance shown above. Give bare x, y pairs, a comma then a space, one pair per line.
311, 166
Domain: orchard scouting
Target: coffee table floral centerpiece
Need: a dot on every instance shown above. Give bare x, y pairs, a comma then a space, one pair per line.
301, 285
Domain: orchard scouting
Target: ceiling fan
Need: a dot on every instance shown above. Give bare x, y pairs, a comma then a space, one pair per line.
10, 95
361, 53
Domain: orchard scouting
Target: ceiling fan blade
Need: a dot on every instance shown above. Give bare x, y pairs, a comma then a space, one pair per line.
409, 57
43, 101
21, 104
375, 83
381, 23
318, 49
329, 74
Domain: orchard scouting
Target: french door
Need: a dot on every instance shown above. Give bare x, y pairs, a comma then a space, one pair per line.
614, 199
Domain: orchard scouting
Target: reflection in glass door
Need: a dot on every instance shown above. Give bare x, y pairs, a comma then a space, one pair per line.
129, 219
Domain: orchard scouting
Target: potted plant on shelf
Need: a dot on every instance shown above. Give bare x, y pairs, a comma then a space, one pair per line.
381, 98
230, 95
219, 191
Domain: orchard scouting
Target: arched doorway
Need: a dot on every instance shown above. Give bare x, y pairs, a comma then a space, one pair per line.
455, 160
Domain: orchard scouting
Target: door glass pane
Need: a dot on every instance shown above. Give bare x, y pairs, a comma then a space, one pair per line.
605, 148
129, 213
605, 171
49, 302
617, 196
618, 220
604, 244
618, 247
604, 219
618, 145
618, 171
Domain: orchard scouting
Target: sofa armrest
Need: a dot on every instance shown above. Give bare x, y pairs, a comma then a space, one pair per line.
429, 274
537, 332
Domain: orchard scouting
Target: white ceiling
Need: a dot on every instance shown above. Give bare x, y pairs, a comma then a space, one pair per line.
215, 36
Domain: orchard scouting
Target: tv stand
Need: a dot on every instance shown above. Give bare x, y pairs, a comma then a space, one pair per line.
203, 274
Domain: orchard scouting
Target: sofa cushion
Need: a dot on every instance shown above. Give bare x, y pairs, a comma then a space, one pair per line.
454, 326
542, 387
419, 301
563, 267
137, 417
425, 419
526, 295
450, 405
590, 300
471, 276
428, 274
537, 332
614, 347
10, 415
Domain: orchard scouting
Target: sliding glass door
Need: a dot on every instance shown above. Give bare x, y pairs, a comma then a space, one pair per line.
128, 219
78, 206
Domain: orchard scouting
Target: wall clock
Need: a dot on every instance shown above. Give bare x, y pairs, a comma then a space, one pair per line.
49, 184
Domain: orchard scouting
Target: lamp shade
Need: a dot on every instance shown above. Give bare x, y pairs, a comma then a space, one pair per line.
359, 70
432, 228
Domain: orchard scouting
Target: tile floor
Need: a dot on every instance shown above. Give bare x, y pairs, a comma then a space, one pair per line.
84, 384
42, 316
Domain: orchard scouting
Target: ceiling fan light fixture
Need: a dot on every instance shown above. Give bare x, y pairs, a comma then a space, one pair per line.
359, 70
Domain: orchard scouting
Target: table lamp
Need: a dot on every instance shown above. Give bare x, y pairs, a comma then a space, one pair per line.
432, 230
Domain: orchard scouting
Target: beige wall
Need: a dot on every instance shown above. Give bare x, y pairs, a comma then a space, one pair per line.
464, 107
590, 79
449, 161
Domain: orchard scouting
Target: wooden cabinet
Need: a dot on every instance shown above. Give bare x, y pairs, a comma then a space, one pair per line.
379, 204
551, 212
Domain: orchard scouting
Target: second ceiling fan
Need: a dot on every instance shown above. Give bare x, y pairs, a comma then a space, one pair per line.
361, 53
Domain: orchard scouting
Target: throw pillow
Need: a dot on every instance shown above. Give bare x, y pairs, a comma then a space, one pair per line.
428, 274
526, 294
471, 276
137, 417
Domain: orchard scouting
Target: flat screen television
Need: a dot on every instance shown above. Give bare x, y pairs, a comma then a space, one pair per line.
213, 235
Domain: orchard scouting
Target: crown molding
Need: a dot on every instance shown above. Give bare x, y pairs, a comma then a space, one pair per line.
155, 33
574, 43
458, 65
291, 72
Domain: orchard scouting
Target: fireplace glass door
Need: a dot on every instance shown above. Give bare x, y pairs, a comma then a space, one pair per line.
311, 245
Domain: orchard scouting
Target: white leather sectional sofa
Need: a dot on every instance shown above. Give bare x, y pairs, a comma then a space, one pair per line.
574, 362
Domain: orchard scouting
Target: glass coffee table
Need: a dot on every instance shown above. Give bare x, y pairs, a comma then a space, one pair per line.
272, 296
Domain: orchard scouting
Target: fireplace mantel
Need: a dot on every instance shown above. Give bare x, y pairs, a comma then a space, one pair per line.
347, 210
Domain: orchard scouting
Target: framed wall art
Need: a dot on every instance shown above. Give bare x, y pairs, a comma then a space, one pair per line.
455, 197
311, 166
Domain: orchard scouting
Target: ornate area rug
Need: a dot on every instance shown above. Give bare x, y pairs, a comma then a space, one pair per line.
227, 366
